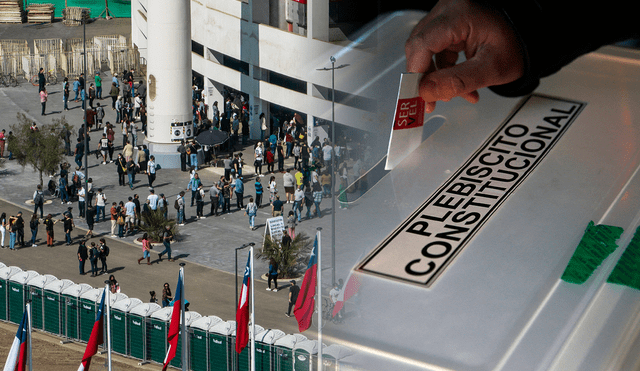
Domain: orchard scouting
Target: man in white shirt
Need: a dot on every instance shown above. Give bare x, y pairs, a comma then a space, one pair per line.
130, 213
153, 200
100, 204
81, 201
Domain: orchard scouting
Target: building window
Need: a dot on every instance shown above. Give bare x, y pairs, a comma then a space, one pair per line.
197, 48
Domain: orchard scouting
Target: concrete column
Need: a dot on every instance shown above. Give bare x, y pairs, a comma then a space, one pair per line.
318, 19
169, 77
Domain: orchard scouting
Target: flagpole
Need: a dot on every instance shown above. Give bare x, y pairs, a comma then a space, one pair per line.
29, 345
253, 322
108, 314
319, 293
183, 321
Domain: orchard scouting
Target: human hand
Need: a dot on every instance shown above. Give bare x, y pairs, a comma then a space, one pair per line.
493, 52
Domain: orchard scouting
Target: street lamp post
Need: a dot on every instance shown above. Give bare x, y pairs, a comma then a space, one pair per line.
332, 59
84, 107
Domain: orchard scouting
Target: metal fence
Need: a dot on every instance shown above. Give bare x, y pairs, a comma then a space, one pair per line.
65, 58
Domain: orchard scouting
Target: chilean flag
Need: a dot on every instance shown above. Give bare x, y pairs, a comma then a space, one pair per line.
97, 337
305, 304
242, 316
17, 358
174, 325
351, 288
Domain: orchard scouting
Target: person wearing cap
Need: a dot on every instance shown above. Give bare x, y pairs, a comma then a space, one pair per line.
293, 296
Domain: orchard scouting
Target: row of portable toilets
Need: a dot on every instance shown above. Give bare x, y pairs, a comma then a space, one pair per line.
139, 330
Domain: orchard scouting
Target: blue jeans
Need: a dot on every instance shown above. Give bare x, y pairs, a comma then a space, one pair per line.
67, 237
297, 210
81, 208
120, 230
167, 249
130, 180
100, 210
180, 216
64, 196
81, 266
76, 98
12, 240
317, 209
78, 160
194, 161
252, 220
34, 233
99, 92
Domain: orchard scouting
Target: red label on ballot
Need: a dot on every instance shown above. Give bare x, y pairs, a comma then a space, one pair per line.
409, 113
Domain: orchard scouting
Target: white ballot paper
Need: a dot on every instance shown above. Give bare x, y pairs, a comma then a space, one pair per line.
408, 120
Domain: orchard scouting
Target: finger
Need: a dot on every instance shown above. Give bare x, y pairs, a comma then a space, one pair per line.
462, 79
430, 38
446, 59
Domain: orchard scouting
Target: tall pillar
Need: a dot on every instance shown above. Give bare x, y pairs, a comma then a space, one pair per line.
318, 19
169, 78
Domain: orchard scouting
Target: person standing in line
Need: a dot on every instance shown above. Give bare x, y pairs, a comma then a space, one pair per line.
193, 185
277, 207
65, 93
19, 226
167, 237
153, 199
259, 157
167, 297
181, 204
83, 255
68, 227
101, 199
114, 93
89, 217
273, 189
182, 149
38, 201
98, 81
33, 225
12, 232
293, 296
104, 252
94, 254
151, 170
146, 249
259, 191
48, 225
131, 172
114, 219
3, 228
226, 195
239, 191
163, 204
317, 198
121, 166
289, 183
273, 275
251, 211
214, 196
200, 202
298, 203
43, 100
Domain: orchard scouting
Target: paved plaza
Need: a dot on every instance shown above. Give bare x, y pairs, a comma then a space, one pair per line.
207, 246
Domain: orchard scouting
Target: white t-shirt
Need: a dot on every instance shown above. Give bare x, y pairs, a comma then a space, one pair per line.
326, 152
100, 199
81, 194
153, 201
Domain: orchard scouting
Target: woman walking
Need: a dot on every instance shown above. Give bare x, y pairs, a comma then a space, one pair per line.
273, 275
251, 210
146, 250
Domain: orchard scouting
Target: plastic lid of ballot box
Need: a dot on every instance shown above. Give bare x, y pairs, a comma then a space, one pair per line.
460, 249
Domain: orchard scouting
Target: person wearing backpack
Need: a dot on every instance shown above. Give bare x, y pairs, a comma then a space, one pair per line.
251, 210
38, 201
104, 252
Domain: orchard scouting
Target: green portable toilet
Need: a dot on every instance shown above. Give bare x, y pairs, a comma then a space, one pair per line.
89, 302
119, 330
332, 356
305, 355
265, 350
284, 351
52, 308
87, 312
221, 348
198, 346
19, 293
243, 358
189, 317
71, 309
138, 325
5, 274
35, 288
157, 334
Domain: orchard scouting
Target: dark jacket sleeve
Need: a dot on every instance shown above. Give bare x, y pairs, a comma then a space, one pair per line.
553, 33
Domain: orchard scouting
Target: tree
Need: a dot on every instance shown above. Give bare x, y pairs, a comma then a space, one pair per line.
154, 224
292, 260
43, 148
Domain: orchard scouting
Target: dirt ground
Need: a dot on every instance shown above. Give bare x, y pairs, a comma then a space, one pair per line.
49, 354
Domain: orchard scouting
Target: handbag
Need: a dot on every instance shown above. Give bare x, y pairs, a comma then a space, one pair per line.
120, 220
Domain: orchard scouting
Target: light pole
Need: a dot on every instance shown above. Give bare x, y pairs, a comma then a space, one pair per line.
236, 302
333, 164
84, 108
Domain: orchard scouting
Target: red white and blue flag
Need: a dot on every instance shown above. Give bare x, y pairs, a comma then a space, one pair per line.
350, 288
97, 336
174, 325
242, 315
17, 358
305, 304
